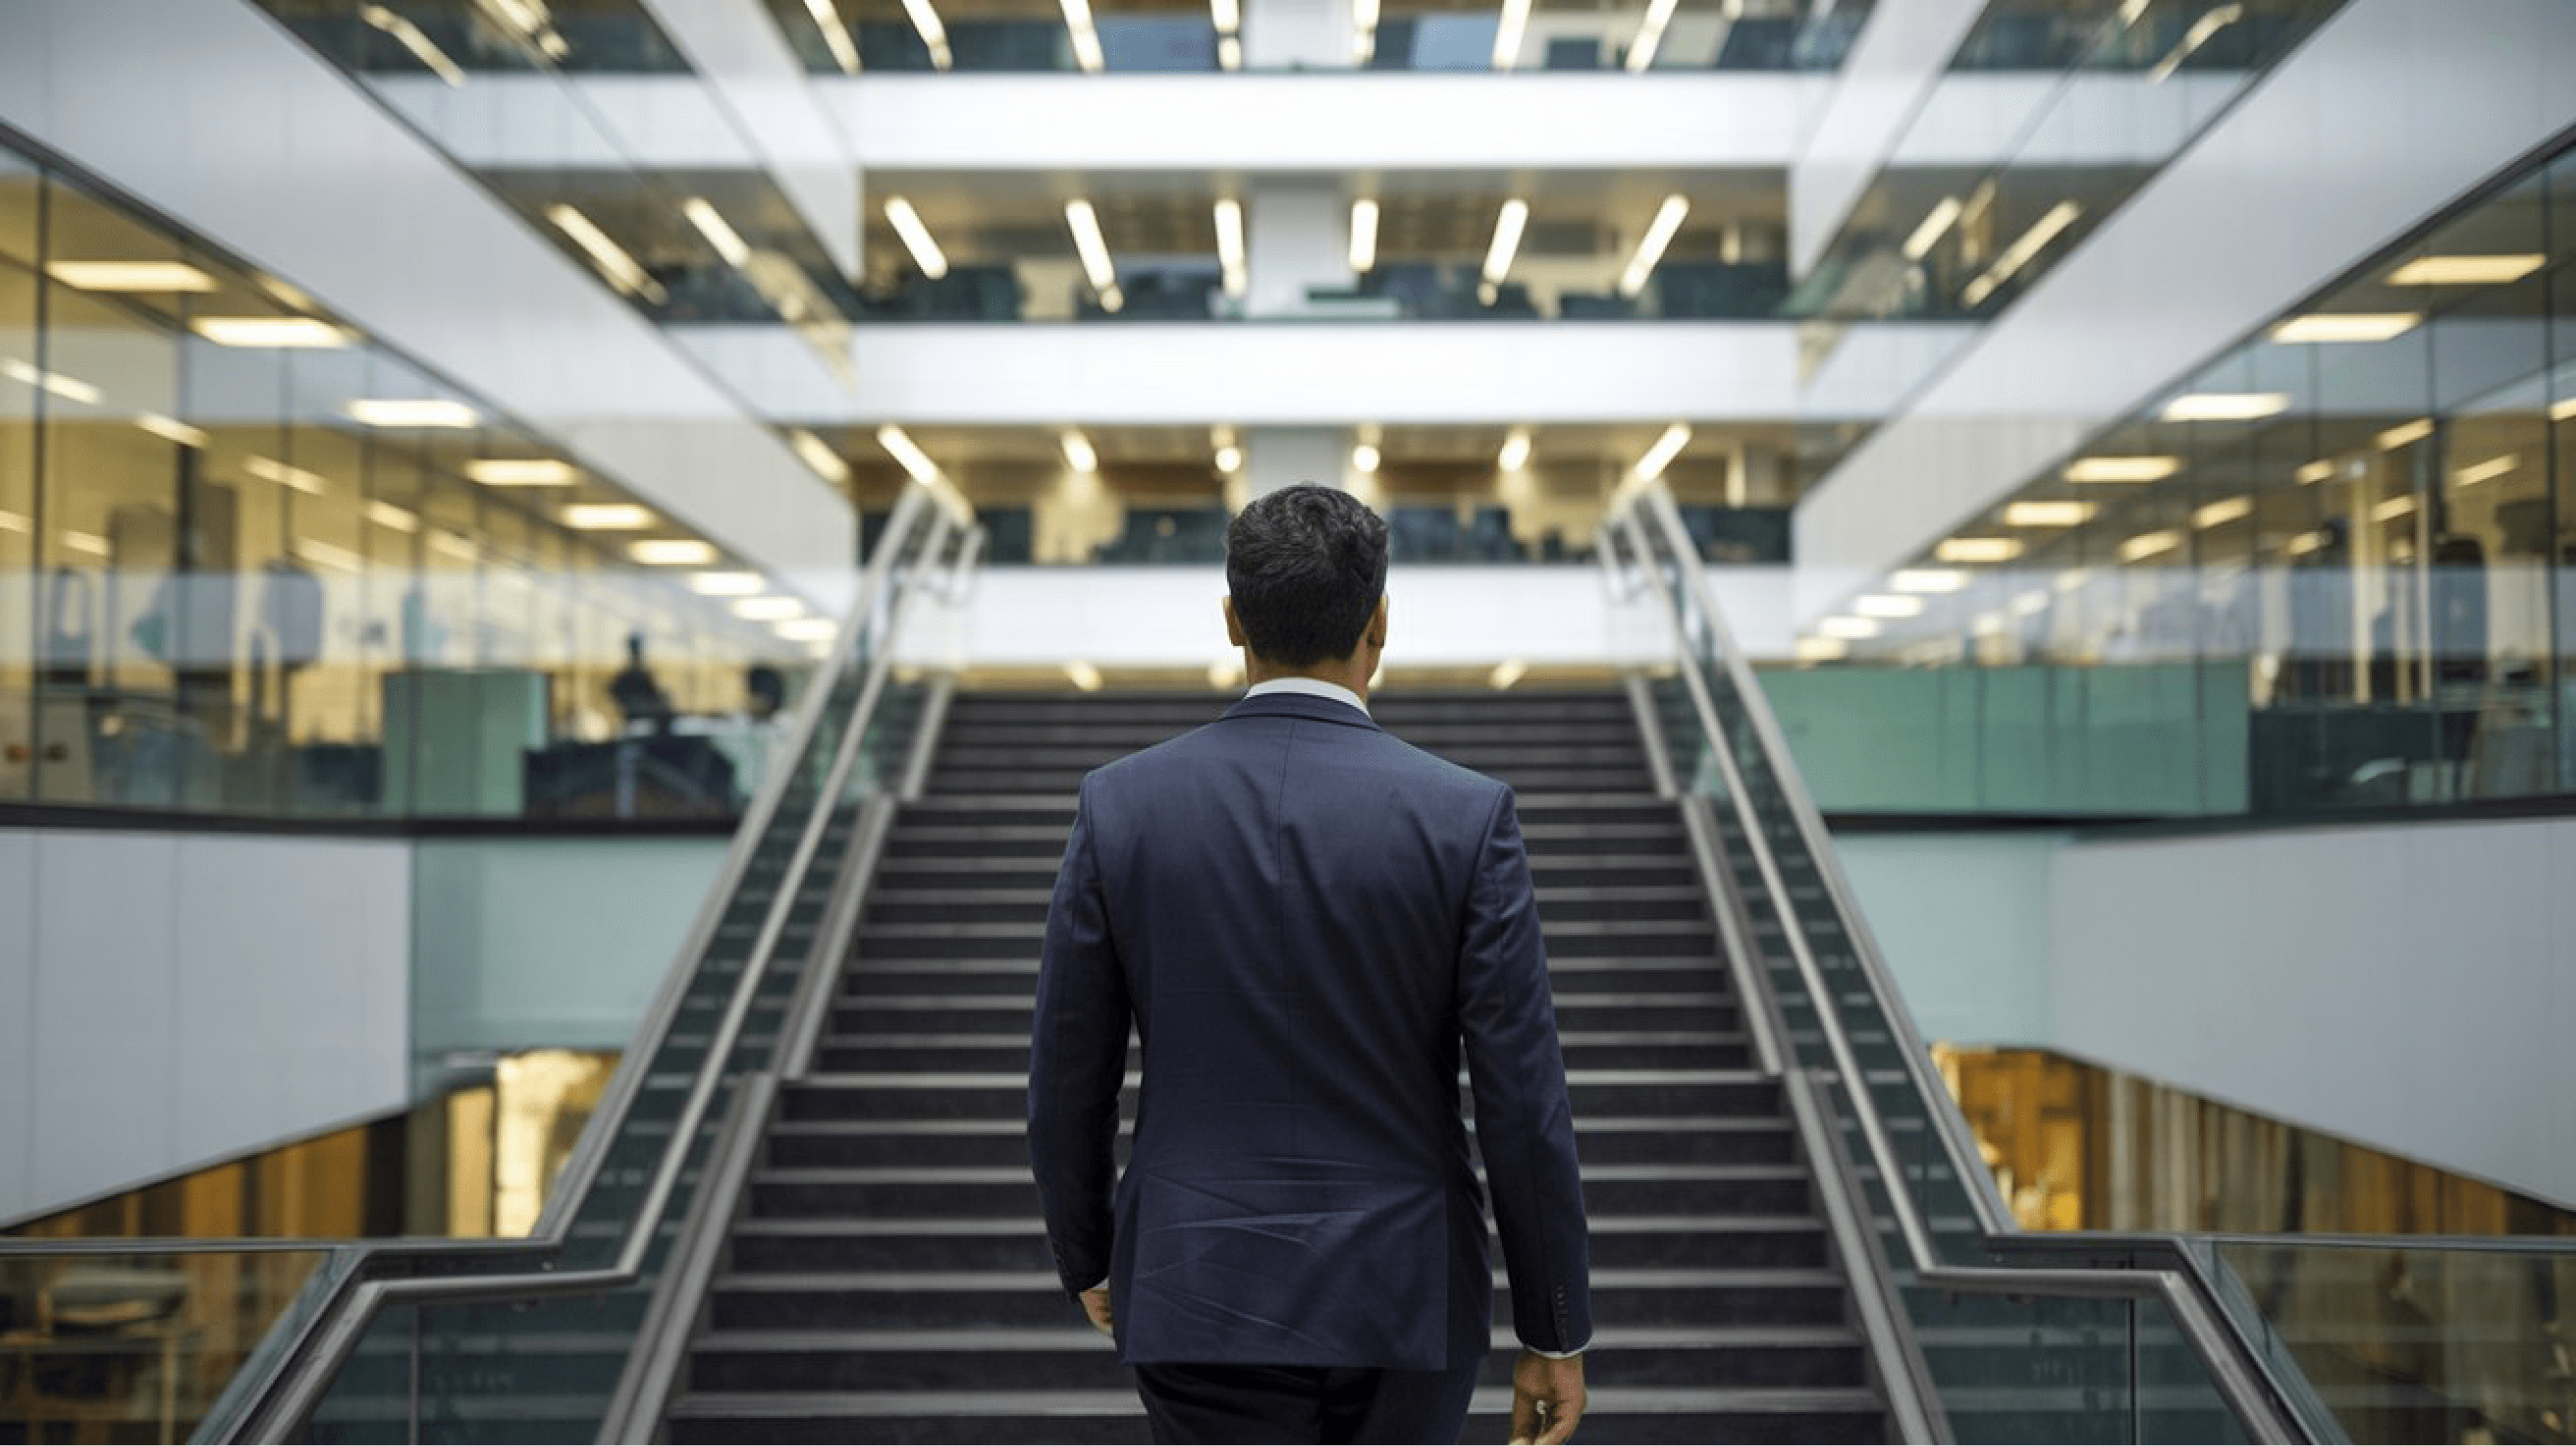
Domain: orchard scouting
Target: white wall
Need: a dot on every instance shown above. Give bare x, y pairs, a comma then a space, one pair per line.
1900, 55
2391, 111
168, 999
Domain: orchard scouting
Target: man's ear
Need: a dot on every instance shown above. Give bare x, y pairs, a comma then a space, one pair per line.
1377, 624
1234, 626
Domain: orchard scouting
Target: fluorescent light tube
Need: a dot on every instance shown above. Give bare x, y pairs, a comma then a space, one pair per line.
1229, 244
672, 552
836, 35
1516, 450
422, 48
2016, 256
2149, 544
1822, 650
1650, 247
810, 450
2317, 471
2225, 406
2488, 470
914, 460
141, 276
916, 237
1508, 224
933, 34
1936, 224
385, 514
85, 542
2563, 410
1093, 248
1977, 549
69, 388
15, 522
1927, 579
720, 234
269, 469
2122, 469
606, 517
1229, 52
1226, 15
622, 270
1661, 455
521, 472
1847, 628
806, 630
1883, 605
2225, 510
2393, 508
1507, 33
2047, 514
2404, 433
768, 609
728, 584
1506, 673
325, 555
1084, 676
1078, 453
1650, 35
1086, 38
269, 331
2466, 270
170, 429
1363, 31
1363, 234
413, 412
2216, 19
452, 545
2345, 326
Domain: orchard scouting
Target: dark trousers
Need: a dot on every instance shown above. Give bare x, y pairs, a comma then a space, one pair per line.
1187, 1403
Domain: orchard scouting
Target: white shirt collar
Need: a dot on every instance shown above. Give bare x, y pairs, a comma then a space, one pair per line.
1311, 687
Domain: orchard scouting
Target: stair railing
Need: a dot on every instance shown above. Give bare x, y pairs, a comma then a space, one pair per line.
1660, 558
827, 770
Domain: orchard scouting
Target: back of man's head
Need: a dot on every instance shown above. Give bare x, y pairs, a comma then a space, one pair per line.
1306, 566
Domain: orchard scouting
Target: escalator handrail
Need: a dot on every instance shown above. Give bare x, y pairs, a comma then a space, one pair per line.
306, 1373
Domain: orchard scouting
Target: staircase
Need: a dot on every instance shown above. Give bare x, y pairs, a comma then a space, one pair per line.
890, 1281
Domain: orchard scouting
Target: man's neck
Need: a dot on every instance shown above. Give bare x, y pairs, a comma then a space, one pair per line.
1340, 672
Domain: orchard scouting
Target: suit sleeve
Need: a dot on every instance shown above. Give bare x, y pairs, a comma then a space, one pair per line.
1524, 1119
1077, 1060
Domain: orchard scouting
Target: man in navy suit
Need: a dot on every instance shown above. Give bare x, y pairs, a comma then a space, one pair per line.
1303, 919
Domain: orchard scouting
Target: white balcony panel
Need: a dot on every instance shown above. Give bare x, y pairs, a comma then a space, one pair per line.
2090, 118
540, 122
275, 156
2387, 115
736, 48
1279, 373
1895, 63
1330, 122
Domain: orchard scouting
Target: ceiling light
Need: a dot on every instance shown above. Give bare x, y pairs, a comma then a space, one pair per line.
325, 555
1936, 224
806, 630
624, 273
1650, 35
606, 517
812, 451
1364, 458
1507, 33
1650, 247
1229, 244
15, 522
914, 460
2307, 542
422, 48
1822, 650
385, 514
85, 542
2346, 326
2226, 509
69, 388
2149, 544
916, 237
268, 331
521, 472
269, 469
1086, 39
1084, 676
836, 34
1363, 31
2225, 406
1229, 52
2211, 22
160, 276
2564, 410
1848, 628
719, 233
2315, 472
1507, 673
2467, 270
933, 34
1078, 453
2122, 469
1229, 459
728, 584
1094, 250
2404, 433
2393, 508
1508, 224
1977, 549
2047, 514
672, 552
2018, 255
530, 20
171, 429
1880, 605
1927, 579
413, 412
1661, 455
1516, 450
1363, 235
768, 609
1226, 15
2488, 470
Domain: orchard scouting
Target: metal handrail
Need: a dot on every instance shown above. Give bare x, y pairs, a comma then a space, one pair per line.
2246, 1387
300, 1386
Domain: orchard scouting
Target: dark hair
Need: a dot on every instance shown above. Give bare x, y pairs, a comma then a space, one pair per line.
1306, 566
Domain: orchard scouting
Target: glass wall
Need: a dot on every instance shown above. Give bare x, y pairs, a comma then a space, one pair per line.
253, 564
2352, 535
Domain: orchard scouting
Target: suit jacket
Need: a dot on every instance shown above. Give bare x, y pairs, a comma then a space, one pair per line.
1305, 919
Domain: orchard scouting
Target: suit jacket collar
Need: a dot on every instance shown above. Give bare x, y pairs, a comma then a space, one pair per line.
1301, 705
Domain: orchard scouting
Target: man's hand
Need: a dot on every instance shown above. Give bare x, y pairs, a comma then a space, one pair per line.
1095, 1304
1547, 1398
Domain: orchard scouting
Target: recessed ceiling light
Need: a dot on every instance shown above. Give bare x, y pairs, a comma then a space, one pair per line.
1881, 605
1661, 455
1093, 248
269, 331
814, 453
1508, 225
2563, 410
1363, 234
1650, 35
768, 609
1516, 450
2315, 472
2393, 508
1936, 223
672, 552
1650, 247
2346, 326
1822, 650
171, 429
2149, 544
2225, 406
1229, 459
2404, 433
413, 412
522, 472
728, 584
2488, 470
138, 276
914, 460
2467, 270
916, 237
1078, 453
1977, 549
2226, 509
1229, 246
2046, 514
1927, 579
806, 630
2018, 255
269, 469
1846, 627
719, 232
607, 517
2122, 469
69, 388
624, 272
1364, 458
